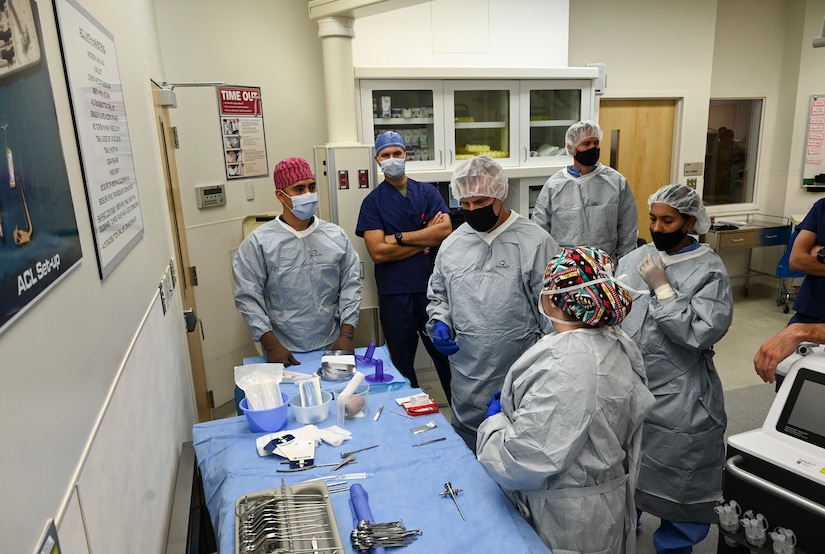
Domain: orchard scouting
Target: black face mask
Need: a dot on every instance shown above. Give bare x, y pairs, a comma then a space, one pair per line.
481, 219
666, 241
588, 158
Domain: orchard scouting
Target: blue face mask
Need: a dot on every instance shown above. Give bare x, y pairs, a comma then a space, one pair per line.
304, 205
393, 167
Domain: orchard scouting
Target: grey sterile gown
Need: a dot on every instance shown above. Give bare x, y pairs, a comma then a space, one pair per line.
301, 285
596, 210
566, 444
683, 446
487, 293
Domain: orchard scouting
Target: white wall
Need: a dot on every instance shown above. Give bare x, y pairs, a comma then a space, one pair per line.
811, 81
457, 33
268, 44
64, 360
652, 49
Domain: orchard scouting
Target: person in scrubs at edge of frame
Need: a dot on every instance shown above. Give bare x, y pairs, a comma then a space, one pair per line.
563, 437
588, 203
297, 278
484, 291
688, 310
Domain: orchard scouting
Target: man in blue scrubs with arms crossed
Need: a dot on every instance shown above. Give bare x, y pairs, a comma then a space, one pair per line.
403, 222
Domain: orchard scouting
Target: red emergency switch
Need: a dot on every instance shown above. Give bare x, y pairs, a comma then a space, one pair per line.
343, 179
363, 179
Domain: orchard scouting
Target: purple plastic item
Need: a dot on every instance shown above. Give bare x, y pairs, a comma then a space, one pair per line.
359, 505
379, 376
367, 357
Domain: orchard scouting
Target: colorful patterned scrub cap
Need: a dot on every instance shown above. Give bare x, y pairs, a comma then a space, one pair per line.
600, 304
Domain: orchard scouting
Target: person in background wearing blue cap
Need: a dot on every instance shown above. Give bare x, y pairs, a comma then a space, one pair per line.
403, 222
588, 203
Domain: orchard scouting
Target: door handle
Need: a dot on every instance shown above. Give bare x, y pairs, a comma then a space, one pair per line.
192, 321
614, 149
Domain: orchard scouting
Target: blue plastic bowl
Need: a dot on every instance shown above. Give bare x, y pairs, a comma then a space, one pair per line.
266, 421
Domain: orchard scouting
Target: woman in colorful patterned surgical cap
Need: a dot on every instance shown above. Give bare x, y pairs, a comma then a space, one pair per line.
563, 438
688, 310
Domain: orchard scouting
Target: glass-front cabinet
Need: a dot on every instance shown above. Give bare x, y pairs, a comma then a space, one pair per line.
550, 107
519, 122
413, 109
483, 116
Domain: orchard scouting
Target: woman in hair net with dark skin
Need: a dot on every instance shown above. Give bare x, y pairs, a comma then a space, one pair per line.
563, 436
689, 309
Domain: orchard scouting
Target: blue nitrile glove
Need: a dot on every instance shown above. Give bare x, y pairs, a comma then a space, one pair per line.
443, 339
494, 405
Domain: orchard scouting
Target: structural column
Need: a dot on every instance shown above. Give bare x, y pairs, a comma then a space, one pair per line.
336, 35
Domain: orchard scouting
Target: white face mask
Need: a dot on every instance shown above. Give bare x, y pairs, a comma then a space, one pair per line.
393, 167
304, 205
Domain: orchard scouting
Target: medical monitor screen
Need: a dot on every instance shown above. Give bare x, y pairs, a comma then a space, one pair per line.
803, 416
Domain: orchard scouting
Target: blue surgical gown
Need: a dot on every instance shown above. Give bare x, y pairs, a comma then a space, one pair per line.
596, 210
487, 293
683, 440
301, 285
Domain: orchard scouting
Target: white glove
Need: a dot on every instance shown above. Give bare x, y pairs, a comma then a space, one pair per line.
653, 273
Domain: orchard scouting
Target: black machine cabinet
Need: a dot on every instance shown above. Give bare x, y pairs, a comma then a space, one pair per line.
784, 498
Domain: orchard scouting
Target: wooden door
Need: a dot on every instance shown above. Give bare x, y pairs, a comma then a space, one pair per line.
185, 284
638, 142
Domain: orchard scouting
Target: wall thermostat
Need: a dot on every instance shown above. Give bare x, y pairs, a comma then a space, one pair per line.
210, 196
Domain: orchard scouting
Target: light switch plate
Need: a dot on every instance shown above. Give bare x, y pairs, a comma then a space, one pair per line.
250, 190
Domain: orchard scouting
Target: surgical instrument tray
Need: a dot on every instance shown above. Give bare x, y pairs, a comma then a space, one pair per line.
291, 519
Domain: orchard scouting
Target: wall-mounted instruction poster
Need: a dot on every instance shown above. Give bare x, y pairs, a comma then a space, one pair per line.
814, 138
242, 131
39, 242
102, 132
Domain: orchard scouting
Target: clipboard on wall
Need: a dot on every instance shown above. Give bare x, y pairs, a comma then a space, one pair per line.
813, 168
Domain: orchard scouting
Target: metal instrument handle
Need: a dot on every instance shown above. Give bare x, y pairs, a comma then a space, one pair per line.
771, 488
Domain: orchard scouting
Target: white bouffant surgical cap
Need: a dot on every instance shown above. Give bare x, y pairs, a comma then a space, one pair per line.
684, 200
580, 131
479, 176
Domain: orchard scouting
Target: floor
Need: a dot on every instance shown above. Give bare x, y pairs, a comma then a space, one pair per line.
747, 400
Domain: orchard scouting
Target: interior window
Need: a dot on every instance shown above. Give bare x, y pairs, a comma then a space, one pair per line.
731, 151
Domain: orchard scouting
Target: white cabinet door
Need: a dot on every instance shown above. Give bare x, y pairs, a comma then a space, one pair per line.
415, 110
548, 108
481, 118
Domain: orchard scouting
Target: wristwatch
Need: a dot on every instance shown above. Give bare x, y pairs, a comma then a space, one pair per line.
820, 256
398, 238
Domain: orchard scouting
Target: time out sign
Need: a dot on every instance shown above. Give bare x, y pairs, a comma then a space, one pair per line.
242, 132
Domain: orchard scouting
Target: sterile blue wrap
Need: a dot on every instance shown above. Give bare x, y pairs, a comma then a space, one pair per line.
406, 482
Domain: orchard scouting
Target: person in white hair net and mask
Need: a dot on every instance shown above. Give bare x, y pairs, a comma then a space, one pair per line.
688, 310
588, 203
484, 290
